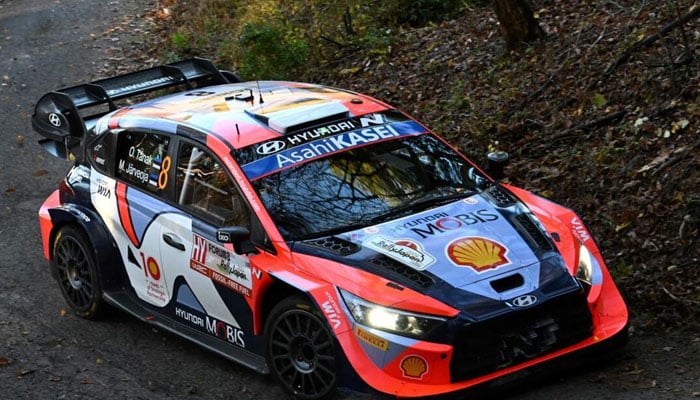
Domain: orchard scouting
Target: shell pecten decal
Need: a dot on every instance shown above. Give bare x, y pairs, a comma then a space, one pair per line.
414, 367
478, 253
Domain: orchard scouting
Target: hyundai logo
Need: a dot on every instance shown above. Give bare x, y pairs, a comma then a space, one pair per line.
271, 147
524, 301
55, 120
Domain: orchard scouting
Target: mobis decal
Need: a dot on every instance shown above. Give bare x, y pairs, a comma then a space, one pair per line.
451, 223
403, 250
212, 326
221, 265
478, 253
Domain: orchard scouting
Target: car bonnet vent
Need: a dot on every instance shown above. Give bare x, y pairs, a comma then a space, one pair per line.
334, 244
533, 231
294, 115
500, 196
415, 277
509, 282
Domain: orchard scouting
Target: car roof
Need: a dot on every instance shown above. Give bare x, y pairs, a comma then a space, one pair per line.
247, 113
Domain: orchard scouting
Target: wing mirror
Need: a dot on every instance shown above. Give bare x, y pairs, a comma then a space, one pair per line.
495, 164
239, 236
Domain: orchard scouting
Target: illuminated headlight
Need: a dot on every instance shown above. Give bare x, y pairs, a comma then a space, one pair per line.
584, 271
389, 319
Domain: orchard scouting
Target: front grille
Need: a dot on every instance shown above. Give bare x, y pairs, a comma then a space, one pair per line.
484, 347
416, 278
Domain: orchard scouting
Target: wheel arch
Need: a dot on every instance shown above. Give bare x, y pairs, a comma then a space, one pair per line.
283, 287
104, 249
276, 292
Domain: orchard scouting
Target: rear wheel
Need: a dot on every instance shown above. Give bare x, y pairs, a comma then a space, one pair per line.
74, 259
301, 349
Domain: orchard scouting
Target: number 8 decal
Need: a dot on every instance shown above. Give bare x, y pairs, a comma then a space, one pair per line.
163, 175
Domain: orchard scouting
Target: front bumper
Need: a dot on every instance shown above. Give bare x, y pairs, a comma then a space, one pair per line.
486, 352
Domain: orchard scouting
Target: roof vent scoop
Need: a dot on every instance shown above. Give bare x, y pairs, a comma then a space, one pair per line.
299, 114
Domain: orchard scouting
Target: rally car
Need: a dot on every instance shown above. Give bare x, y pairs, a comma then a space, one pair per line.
312, 233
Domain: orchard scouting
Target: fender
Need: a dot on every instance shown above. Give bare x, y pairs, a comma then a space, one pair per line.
106, 255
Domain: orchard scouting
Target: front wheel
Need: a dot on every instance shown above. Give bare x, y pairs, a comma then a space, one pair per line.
301, 349
74, 259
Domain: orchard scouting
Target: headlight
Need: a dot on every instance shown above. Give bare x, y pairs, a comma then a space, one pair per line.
389, 319
584, 271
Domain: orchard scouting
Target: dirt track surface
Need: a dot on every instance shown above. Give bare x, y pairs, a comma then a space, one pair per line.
47, 353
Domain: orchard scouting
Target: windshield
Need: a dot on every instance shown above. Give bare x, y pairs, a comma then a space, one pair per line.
364, 186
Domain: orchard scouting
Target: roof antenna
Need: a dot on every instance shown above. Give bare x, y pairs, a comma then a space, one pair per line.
238, 131
259, 92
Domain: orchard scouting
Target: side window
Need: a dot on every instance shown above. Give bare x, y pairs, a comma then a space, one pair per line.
205, 189
142, 160
101, 152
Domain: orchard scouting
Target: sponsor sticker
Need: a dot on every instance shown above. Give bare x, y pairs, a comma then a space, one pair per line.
212, 326
276, 160
414, 367
580, 229
330, 308
371, 339
480, 254
221, 265
404, 250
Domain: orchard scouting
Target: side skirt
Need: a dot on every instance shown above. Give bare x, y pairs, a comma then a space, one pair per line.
126, 303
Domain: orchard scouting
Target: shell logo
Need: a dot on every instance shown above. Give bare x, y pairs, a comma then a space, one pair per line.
414, 367
478, 253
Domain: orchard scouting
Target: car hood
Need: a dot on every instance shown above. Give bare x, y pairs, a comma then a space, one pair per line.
478, 254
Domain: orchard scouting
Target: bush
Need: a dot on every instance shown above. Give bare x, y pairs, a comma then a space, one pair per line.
268, 52
281, 39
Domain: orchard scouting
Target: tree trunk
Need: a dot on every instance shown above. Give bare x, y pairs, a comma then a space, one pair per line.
518, 22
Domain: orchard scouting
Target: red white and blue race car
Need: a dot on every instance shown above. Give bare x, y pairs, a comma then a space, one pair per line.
313, 233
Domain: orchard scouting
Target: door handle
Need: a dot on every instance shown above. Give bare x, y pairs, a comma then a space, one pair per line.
170, 240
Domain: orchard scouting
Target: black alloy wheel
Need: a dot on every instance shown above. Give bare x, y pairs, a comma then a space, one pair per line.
77, 272
301, 349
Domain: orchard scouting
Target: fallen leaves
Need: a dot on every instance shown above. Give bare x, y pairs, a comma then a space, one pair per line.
662, 159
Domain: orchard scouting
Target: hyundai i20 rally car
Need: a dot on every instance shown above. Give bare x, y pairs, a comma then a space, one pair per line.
312, 233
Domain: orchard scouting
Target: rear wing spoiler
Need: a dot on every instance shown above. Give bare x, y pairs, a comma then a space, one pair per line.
60, 116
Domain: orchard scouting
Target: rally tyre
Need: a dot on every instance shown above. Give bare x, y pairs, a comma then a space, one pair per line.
301, 349
76, 271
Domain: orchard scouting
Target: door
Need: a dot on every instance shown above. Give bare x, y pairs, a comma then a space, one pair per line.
209, 280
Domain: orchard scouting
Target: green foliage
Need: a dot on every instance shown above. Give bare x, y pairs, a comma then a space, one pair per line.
180, 41
279, 39
269, 52
599, 100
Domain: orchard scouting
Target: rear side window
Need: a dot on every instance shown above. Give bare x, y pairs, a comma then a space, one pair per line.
142, 160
